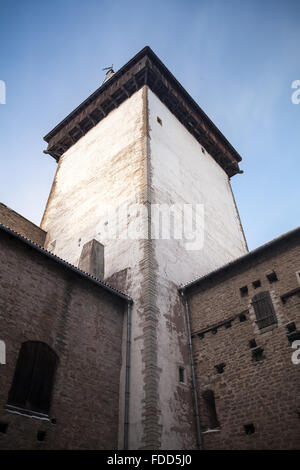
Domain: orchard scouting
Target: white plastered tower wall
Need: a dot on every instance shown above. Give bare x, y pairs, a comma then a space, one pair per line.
105, 170
129, 158
182, 174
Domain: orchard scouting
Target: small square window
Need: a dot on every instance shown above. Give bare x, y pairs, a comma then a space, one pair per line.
41, 436
291, 327
181, 374
256, 284
220, 367
159, 120
244, 291
272, 277
249, 429
293, 336
252, 343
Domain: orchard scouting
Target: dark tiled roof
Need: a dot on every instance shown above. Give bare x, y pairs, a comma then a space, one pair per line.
143, 69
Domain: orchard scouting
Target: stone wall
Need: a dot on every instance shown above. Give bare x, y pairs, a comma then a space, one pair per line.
42, 300
263, 392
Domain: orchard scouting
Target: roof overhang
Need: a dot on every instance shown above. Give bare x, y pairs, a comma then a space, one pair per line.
143, 69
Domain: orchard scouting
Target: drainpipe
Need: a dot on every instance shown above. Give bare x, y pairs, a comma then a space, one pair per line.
127, 377
188, 324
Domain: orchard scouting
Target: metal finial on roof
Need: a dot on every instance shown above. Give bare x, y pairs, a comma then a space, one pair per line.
109, 68
110, 72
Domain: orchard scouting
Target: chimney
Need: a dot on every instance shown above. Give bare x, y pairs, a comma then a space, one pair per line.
92, 259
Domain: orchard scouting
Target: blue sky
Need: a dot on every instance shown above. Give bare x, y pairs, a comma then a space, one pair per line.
237, 59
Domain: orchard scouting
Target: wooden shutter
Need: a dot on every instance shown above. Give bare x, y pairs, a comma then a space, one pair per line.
33, 379
264, 310
21, 384
39, 398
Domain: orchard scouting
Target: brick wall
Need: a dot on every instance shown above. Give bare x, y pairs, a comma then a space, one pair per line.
21, 225
266, 392
42, 300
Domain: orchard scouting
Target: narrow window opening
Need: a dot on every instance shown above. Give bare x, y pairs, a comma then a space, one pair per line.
272, 277
181, 374
159, 120
214, 331
249, 429
242, 317
257, 354
53, 421
3, 427
41, 436
244, 291
228, 324
210, 409
256, 284
252, 343
203, 151
220, 368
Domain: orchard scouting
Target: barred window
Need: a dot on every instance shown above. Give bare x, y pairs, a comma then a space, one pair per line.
33, 379
264, 309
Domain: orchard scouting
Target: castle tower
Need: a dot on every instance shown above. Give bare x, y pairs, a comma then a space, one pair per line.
141, 142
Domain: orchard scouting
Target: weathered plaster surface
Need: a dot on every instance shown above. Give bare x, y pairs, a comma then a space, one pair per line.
182, 174
102, 171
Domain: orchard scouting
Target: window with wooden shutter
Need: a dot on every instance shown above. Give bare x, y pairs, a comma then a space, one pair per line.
33, 379
264, 309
